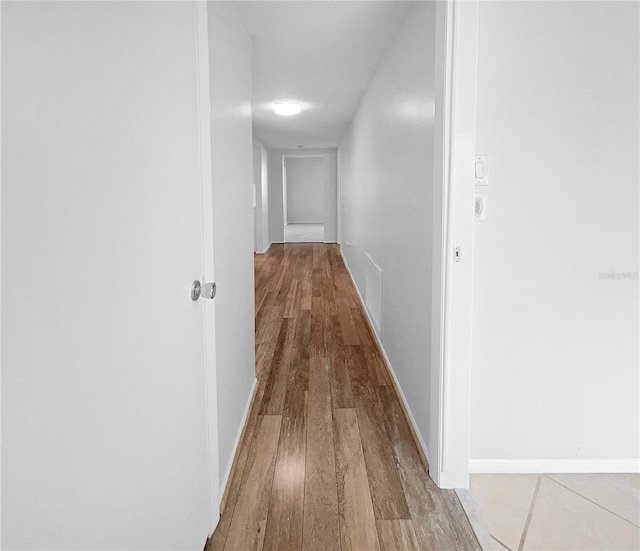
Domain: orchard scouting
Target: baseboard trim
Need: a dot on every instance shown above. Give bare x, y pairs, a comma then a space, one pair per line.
266, 249
557, 466
423, 450
236, 448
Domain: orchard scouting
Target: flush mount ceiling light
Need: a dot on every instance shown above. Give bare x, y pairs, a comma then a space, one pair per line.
286, 108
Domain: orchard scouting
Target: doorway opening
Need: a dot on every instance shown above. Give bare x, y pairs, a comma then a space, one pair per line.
304, 182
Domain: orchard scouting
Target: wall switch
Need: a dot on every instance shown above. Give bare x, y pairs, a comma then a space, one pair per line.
456, 255
482, 170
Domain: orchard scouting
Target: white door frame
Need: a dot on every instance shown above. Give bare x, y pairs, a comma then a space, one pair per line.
206, 187
338, 196
456, 55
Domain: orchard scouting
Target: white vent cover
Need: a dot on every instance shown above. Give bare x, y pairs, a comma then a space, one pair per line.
373, 291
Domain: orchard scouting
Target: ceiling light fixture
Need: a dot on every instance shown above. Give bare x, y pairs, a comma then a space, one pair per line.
288, 108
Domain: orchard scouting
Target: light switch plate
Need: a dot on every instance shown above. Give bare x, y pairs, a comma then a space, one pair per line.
482, 170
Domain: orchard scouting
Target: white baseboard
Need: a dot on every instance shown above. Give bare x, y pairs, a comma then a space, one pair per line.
266, 249
245, 415
412, 420
557, 466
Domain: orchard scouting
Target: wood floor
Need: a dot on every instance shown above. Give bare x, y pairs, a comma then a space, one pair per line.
327, 459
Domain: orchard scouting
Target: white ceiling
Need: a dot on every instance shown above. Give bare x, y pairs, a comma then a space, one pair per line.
321, 53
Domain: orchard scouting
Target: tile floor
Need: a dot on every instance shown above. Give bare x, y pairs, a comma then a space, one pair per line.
304, 233
560, 512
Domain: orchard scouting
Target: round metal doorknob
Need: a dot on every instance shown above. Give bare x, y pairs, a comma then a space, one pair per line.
208, 290
195, 290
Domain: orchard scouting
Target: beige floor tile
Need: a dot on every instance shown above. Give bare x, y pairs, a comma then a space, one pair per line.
499, 546
503, 502
564, 521
620, 493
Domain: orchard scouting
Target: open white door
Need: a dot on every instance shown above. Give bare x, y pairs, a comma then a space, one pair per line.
104, 384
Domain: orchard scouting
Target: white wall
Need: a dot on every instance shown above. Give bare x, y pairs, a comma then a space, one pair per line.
304, 184
386, 181
276, 190
261, 183
276, 205
555, 348
264, 197
257, 189
104, 435
231, 142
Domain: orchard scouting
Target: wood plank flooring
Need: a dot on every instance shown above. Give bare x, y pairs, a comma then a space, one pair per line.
327, 460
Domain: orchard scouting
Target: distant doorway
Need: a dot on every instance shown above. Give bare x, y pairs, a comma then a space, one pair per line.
304, 233
304, 189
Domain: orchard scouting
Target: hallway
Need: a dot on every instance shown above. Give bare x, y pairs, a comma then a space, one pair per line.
327, 459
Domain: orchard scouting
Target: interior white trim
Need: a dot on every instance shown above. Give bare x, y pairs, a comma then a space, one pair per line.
208, 307
456, 57
266, 249
555, 466
245, 416
338, 196
439, 259
412, 420
1, 241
